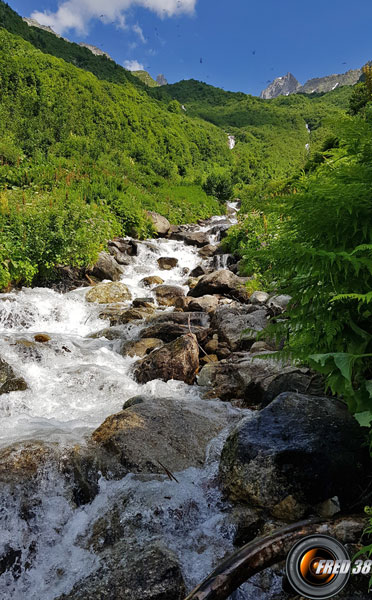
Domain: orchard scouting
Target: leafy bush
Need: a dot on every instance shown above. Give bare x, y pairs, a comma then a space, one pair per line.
219, 186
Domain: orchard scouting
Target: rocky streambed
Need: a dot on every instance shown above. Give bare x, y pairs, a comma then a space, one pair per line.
144, 436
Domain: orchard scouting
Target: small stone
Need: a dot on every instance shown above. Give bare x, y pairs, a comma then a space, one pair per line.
212, 346
210, 358
259, 297
42, 338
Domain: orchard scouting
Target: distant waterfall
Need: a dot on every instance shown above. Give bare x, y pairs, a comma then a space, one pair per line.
232, 141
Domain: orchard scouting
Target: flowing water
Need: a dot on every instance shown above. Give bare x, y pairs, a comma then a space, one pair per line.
74, 382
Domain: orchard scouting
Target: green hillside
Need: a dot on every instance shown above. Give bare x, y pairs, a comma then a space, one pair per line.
146, 78
79, 56
81, 159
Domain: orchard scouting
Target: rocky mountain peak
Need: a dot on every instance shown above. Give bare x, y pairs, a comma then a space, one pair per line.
160, 80
281, 86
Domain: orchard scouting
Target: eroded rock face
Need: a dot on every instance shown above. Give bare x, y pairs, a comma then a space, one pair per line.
177, 360
161, 224
9, 382
238, 325
161, 431
106, 267
133, 573
222, 282
299, 450
167, 295
107, 293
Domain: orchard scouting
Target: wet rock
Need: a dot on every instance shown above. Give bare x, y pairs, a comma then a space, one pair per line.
191, 238
161, 224
181, 303
20, 462
129, 572
124, 245
303, 447
221, 282
257, 381
151, 280
167, 263
106, 267
67, 278
198, 271
9, 382
206, 304
166, 295
177, 360
143, 303
161, 432
42, 338
121, 258
120, 316
247, 523
259, 298
207, 251
110, 333
169, 331
238, 325
107, 293
141, 348
192, 282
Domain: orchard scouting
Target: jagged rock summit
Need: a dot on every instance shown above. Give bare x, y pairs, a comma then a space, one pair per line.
284, 86
95, 50
281, 86
160, 80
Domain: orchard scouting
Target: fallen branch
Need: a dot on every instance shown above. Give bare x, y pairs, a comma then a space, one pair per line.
267, 551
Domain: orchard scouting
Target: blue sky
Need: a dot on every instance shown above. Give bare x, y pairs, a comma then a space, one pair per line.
239, 45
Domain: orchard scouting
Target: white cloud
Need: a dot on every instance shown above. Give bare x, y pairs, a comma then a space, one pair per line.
133, 65
138, 30
77, 14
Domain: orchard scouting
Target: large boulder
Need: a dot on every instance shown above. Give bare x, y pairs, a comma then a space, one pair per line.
107, 293
207, 251
177, 360
206, 304
9, 381
191, 238
160, 224
106, 267
257, 381
153, 433
222, 282
124, 245
296, 453
166, 295
130, 572
170, 326
238, 325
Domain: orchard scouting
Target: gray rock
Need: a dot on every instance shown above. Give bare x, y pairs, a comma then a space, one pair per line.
161, 224
221, 282
166, 295
106, 267
259, 297
130, 572
206, 304
238, 325
177, 360
191, 238
257, 381
278, 304
9, 382
140, 348
207, 251
160, 432
299, 446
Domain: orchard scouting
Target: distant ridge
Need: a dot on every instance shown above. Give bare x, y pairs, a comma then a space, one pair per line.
284, 86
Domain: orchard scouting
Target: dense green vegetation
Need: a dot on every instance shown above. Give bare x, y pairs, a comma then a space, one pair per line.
81, 57
71, 144
271, 135
314, 242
